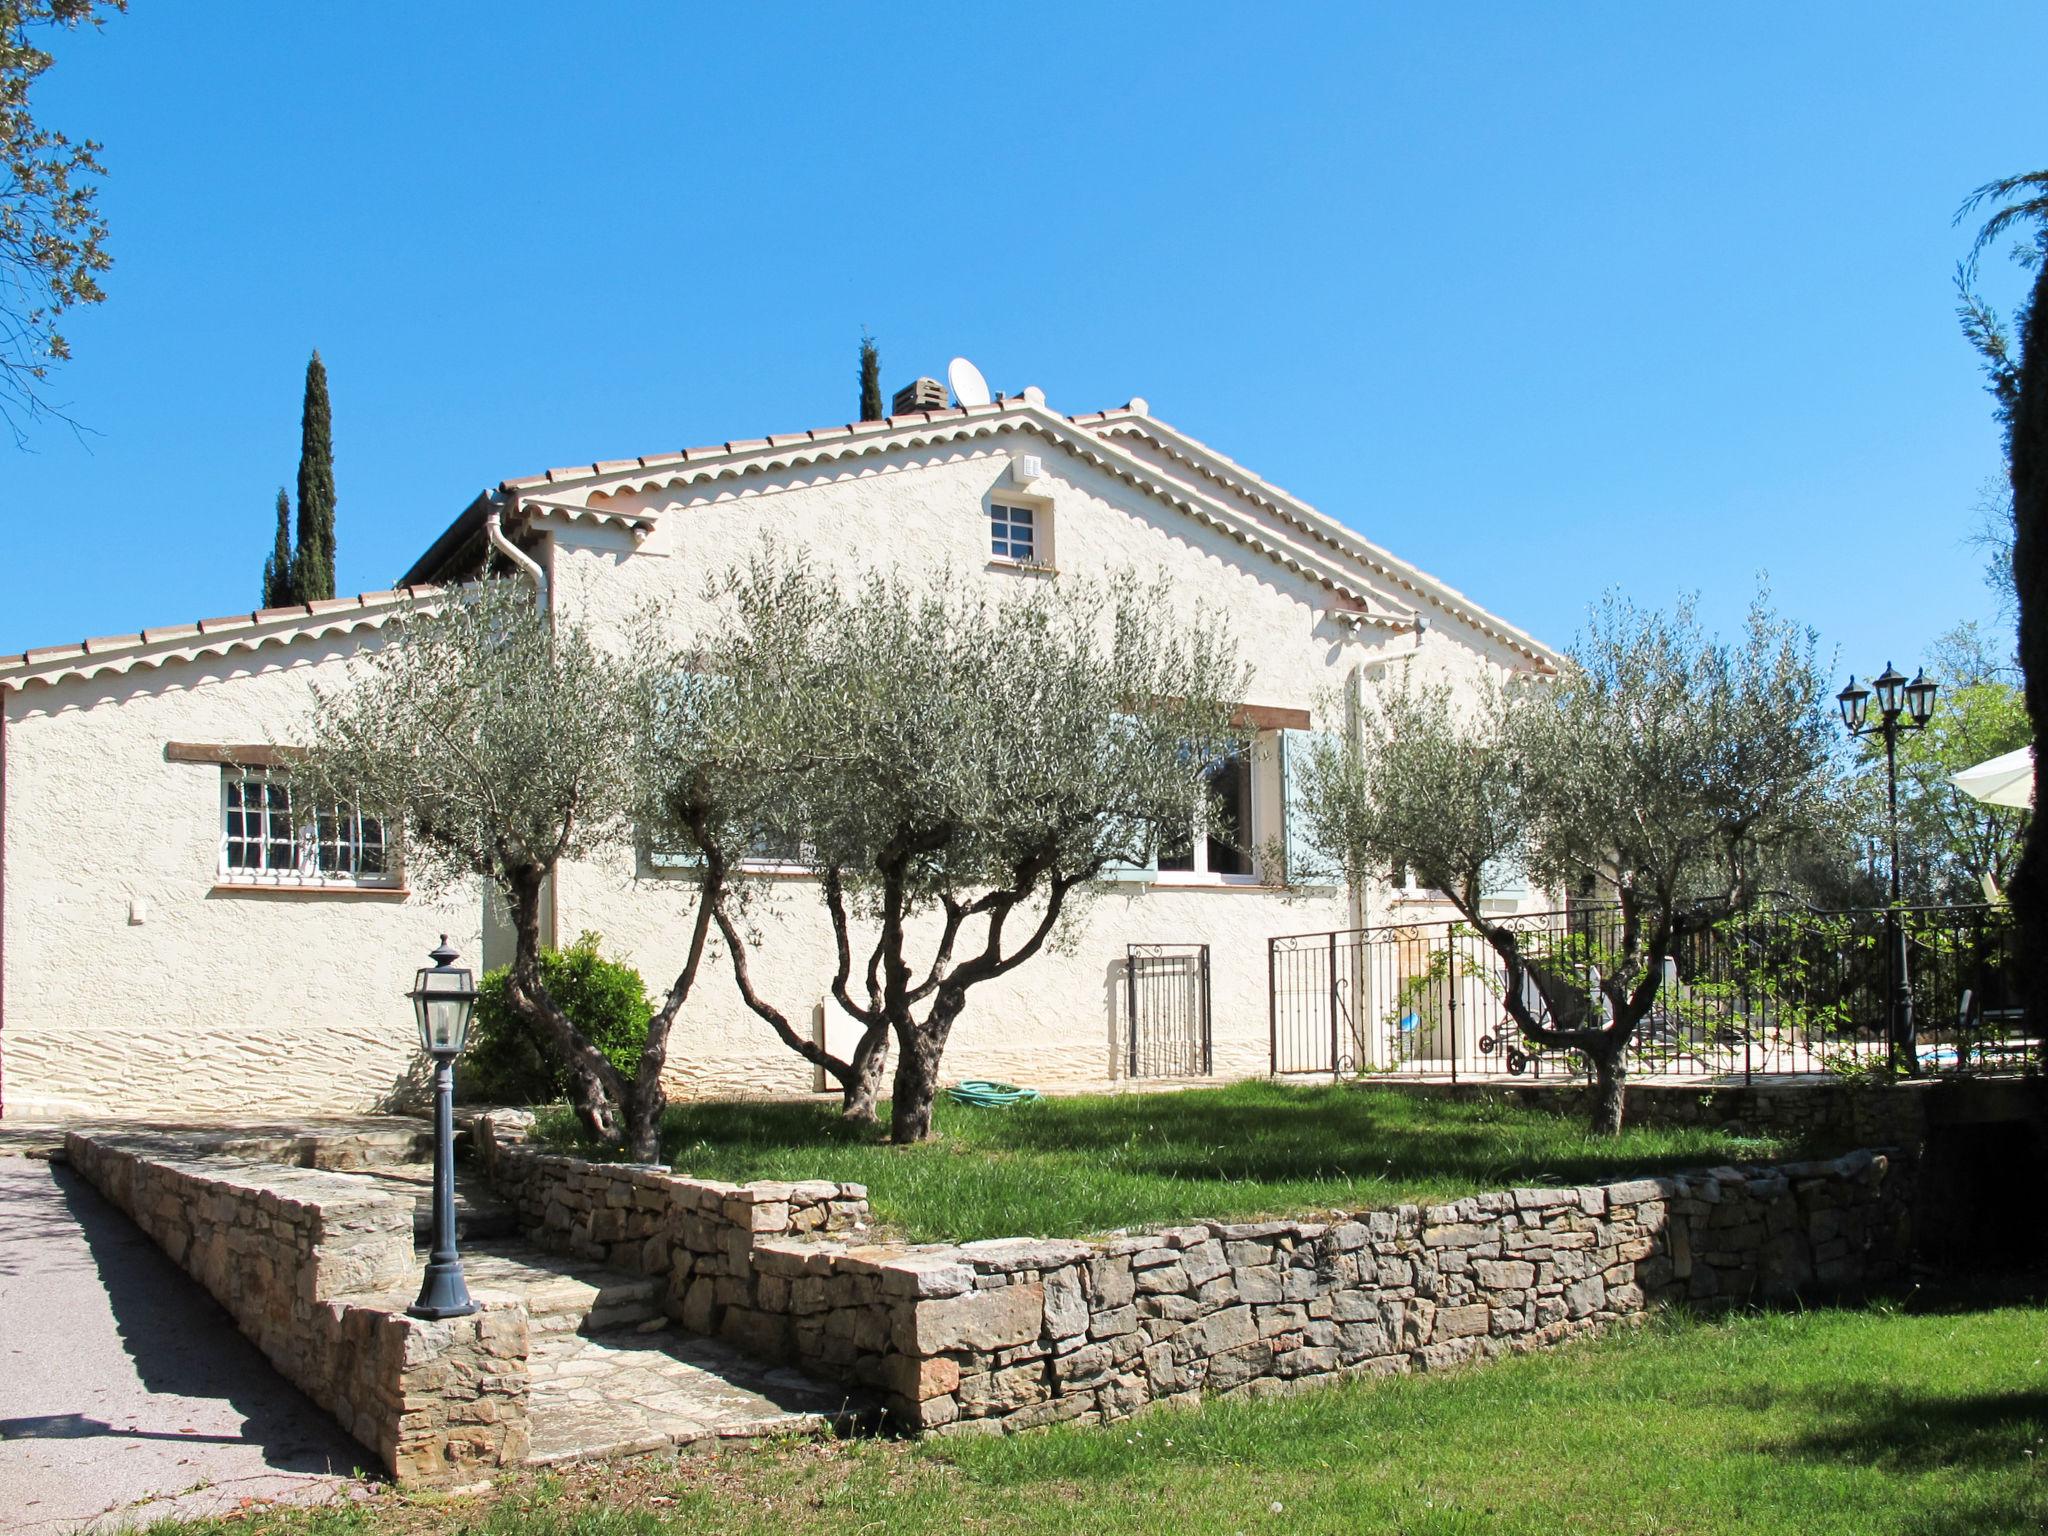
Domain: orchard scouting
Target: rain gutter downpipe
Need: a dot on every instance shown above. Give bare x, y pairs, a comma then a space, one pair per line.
494, 531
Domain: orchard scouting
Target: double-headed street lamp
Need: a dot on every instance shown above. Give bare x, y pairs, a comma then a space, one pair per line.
443, 998
1901, 706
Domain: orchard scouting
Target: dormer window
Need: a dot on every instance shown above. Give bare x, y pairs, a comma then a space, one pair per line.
1013, 533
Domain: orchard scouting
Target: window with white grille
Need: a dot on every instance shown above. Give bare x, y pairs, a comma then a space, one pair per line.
1013, 533
271, 836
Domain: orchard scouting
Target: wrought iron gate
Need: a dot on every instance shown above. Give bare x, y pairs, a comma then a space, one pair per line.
1166, 996
1312, 1003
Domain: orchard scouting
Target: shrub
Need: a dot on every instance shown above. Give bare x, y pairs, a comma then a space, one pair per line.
509, 1063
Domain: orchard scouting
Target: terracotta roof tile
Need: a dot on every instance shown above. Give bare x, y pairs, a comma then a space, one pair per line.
101, 645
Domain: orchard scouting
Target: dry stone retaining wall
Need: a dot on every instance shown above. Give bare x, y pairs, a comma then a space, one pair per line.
317, 1270
699, 1233
1009, 1333
1006, 1334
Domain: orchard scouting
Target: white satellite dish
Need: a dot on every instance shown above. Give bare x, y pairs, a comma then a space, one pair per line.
969, 387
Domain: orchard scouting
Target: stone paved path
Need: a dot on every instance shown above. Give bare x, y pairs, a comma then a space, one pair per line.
627, 1394
126, 1394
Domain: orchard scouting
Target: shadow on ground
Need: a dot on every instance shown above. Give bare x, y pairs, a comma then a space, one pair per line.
1247, 1132
1919, 1433
184, 1344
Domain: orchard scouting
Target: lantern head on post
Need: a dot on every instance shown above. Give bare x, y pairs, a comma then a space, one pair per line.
1891, 686
443, 998
1853, 701
1920, 697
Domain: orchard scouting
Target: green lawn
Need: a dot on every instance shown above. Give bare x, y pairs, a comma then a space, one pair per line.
1823, 1423
1071, 1166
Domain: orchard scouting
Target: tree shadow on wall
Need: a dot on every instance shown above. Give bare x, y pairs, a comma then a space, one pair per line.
412, 1091
184, 1344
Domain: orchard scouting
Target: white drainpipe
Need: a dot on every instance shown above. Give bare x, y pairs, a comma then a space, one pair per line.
494, 530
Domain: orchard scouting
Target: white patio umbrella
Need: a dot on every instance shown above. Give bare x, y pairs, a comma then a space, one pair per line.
2007, 780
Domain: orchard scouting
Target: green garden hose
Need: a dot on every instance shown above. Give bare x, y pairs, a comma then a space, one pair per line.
990, 1095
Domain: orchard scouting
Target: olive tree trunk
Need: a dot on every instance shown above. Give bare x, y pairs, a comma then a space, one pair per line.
597, 1090
1610, 1086
919, 1050
863, 1088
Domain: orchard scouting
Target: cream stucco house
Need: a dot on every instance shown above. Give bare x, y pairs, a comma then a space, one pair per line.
177, 938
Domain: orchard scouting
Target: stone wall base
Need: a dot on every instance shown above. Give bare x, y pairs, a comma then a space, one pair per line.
317, 1270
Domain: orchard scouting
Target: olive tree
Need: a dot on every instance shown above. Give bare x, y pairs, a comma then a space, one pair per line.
52, 233
500, 743
954, 768
1665, 771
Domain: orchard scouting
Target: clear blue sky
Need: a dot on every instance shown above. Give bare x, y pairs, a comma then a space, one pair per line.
1545, 298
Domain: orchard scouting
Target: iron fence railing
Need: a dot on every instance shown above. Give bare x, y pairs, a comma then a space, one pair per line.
1783, 990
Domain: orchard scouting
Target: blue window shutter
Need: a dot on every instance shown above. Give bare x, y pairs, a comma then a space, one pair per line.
672, 860
1138, 873
1308, 863
1503, 879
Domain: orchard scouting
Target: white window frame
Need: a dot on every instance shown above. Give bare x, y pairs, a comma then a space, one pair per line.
1200, 874
1002, 511
299, 868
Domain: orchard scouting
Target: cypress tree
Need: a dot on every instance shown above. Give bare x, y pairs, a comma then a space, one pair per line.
870, 380
313, 565
278, 591
2028, 450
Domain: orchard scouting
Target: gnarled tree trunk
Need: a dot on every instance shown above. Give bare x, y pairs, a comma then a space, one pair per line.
919, 1049
597, 1091
863, 1087
1610, 1086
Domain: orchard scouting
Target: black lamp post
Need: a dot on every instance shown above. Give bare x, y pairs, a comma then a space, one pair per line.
1901, 706
443, 998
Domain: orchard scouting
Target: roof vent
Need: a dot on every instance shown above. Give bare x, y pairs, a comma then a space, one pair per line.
918, 395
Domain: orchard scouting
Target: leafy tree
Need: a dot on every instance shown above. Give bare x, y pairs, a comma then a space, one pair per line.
2020, 204
871, 407
1665, 771
313, 562
956, 770
1954, 846
52, 234
502, 745
507, 1060
277, 569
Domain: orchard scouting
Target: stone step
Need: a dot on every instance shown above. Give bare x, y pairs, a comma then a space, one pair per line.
479, 1213
602, 1398
565, 1296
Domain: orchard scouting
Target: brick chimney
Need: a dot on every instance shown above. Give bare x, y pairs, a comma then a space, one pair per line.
918, 395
